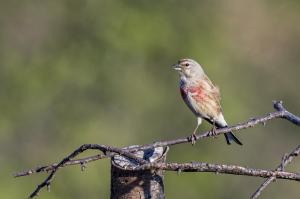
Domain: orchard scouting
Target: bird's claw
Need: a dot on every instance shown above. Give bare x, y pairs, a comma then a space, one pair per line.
192, 138
213, 132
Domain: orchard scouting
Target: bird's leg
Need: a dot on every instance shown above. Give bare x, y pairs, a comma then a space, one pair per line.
192, 138
213, 130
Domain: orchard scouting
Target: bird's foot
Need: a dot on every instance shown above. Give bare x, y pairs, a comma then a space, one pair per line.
192, 138
213, 132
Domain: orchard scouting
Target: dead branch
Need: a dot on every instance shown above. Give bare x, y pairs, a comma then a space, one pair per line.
280, 113
286, 159
102, 148
40, 169
218, 168
109, 152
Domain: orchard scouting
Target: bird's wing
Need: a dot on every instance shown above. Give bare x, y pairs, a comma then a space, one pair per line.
213, 90
205, 99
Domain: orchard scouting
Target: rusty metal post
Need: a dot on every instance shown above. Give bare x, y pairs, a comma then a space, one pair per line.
147, 184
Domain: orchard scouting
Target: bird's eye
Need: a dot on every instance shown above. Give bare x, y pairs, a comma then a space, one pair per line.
187, 64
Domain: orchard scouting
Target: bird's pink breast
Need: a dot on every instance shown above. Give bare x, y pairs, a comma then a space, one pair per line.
198, 93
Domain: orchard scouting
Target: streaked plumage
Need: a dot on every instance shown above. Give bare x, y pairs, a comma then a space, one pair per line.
201, 96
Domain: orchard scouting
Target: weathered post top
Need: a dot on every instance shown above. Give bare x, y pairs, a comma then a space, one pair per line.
126, 184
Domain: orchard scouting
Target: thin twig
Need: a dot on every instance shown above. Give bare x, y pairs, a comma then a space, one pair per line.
48, 168
280, 113
285, 161
102, 148
218, 168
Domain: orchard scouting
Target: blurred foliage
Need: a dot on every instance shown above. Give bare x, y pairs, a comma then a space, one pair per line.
74, 72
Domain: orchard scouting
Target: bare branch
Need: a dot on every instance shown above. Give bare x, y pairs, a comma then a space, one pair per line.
81, 161
285, 161
287, 115
188, 167
102, 148
218, 168
48, 168
280, 113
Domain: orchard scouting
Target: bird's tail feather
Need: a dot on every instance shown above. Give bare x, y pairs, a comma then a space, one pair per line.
230, 137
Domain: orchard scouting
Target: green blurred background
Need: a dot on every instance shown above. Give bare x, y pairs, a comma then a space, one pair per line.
74, 72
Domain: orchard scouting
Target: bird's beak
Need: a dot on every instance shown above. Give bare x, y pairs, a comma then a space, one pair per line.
176, 67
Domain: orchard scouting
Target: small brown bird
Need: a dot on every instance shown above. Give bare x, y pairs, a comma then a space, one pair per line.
202, 97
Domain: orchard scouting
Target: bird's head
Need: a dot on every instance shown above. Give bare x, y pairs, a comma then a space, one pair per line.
189, 68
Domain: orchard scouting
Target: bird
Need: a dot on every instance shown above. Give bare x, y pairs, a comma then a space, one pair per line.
202, 97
